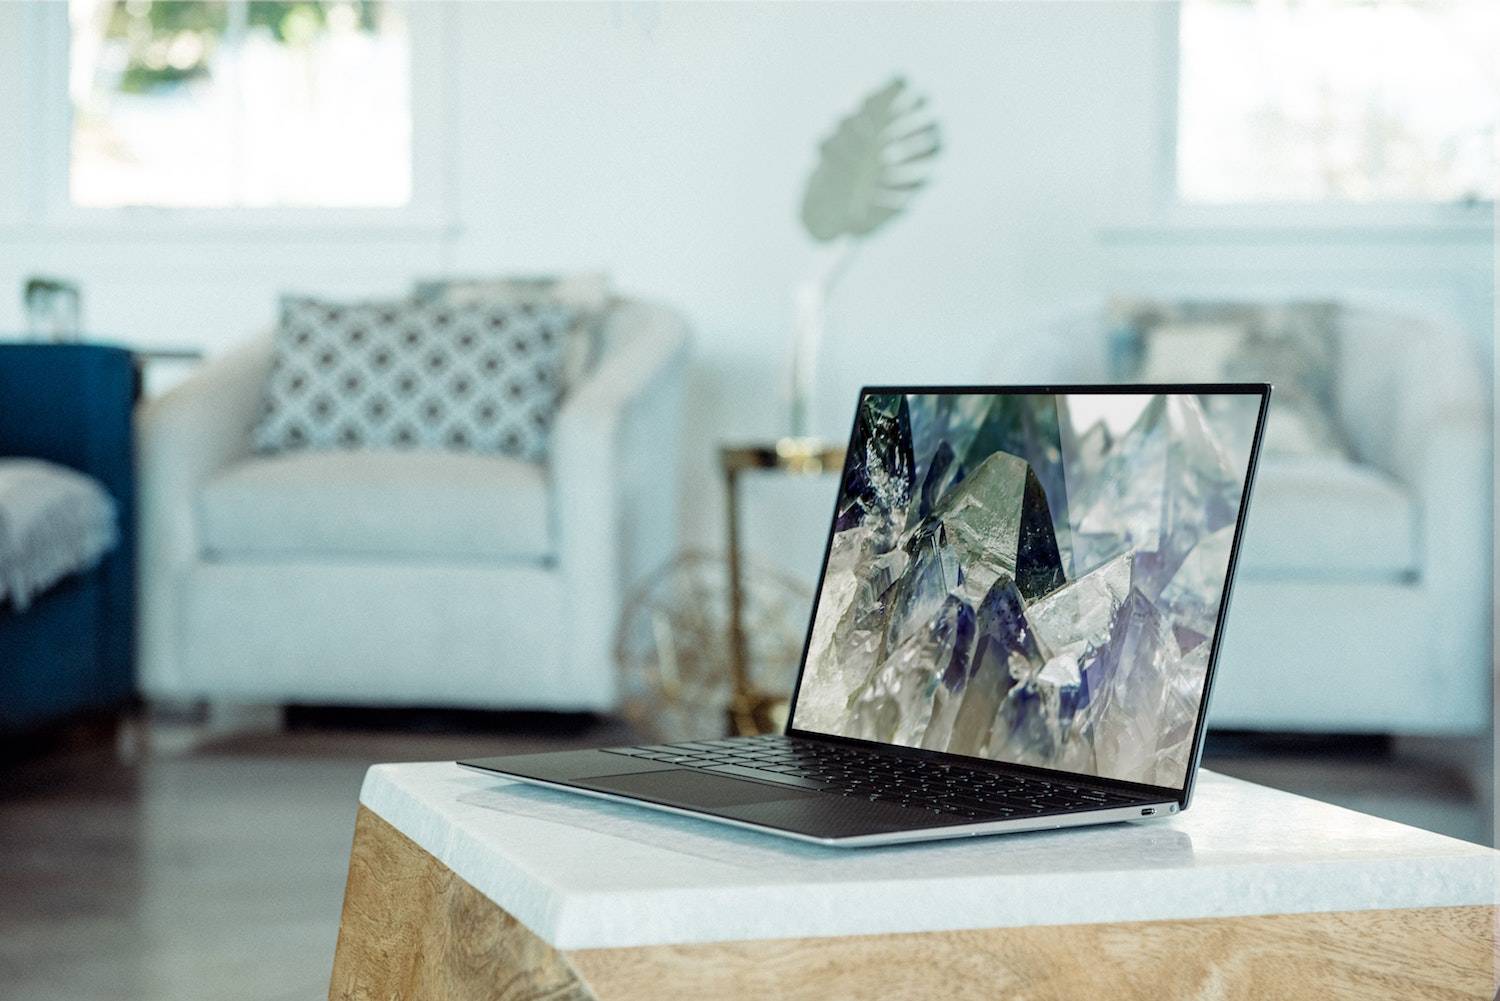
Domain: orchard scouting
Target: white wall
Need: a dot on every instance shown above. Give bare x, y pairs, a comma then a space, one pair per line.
668, 144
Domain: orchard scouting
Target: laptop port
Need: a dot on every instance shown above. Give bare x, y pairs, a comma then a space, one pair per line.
1148, 811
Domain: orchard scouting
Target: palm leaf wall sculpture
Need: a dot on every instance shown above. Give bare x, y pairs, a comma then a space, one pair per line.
870, 167
868, 171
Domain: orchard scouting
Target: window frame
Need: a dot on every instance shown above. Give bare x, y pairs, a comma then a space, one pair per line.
1405, 217
429, 211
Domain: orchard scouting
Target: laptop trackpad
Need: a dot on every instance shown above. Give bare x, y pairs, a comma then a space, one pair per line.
688, 788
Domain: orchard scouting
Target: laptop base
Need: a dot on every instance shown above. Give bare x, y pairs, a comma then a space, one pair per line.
820, 817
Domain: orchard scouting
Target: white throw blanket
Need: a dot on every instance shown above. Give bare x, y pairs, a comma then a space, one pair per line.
53, 522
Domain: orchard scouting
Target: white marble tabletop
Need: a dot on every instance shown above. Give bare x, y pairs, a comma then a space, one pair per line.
585, 873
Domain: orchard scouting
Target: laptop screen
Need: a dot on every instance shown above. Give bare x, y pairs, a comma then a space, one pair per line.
1031, 578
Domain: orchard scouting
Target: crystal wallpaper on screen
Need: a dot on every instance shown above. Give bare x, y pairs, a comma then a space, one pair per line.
1030, 578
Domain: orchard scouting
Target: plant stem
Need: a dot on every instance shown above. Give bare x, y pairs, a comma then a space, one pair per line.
809, 324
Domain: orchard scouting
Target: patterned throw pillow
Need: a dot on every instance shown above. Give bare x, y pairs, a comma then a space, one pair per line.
1293, 345
586, 292
479, 376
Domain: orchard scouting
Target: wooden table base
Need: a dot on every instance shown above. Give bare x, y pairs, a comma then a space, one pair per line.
413, 930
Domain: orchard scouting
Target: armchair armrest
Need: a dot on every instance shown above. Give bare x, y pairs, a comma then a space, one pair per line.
1441, 449
614, 480
182, 439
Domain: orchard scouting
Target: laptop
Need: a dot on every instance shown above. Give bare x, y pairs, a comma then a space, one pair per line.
1021, 604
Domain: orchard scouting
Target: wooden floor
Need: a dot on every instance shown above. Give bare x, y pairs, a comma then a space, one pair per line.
219, 872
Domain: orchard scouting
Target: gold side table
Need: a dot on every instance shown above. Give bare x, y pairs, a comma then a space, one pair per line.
752, 711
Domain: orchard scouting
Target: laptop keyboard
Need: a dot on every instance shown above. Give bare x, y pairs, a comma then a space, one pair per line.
940, 788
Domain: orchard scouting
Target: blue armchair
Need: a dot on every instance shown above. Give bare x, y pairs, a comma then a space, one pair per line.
72, 650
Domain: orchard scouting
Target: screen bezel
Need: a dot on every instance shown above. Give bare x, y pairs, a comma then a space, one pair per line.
1183, 793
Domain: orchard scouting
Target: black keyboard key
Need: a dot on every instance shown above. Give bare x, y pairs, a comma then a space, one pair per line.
990, 800
970, 804
1058, 800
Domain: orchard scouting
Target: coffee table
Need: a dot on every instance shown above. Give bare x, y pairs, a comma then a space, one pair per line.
465, 886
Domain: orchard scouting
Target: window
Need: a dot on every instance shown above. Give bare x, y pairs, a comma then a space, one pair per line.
1337, 100
239, 104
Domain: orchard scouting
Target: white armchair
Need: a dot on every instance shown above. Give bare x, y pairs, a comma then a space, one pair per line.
1365, 603
405, 578
1363, 598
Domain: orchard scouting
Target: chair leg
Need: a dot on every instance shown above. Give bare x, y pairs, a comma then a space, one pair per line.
132, 734
182, 727
223, 719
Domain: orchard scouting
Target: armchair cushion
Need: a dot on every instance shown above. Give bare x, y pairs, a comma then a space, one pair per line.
378, 504
1324, 517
